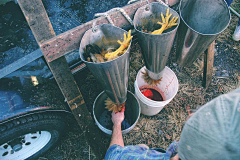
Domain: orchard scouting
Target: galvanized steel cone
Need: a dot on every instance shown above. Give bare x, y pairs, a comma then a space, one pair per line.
112, 75
155, 47
201, 22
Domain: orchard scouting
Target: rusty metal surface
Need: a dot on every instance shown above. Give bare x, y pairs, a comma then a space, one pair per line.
70, 40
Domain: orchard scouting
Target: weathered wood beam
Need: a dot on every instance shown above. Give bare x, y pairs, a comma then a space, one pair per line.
70, 40
208, 65
42, 29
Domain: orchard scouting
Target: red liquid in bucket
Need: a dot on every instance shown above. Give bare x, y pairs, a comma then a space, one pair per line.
151, 93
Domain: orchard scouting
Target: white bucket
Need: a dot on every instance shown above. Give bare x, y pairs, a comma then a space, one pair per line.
168, 87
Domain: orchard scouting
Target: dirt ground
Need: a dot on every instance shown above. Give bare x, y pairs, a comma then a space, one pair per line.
164, 128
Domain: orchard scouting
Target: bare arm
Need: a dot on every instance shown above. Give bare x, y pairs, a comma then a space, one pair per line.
117, 136
117, 119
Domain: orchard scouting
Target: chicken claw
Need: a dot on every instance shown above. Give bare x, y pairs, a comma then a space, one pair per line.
111, 106
124, 44
165, 23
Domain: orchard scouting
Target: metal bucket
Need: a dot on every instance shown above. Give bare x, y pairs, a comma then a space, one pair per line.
112, 75
155, 47
103, 117
201, 22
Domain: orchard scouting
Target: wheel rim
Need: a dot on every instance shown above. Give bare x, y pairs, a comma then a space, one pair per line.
30, 144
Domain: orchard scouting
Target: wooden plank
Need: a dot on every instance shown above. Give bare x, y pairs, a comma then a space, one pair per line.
41, 27
208, 65
70, 40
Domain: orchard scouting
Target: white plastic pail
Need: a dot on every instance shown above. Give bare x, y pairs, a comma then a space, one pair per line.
168, 87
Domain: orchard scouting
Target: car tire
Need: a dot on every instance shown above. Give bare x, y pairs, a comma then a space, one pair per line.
30, 136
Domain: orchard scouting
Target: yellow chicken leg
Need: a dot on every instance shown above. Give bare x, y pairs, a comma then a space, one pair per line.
124, 44
165, 23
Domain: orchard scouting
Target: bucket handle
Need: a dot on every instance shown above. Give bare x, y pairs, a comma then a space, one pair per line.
106, 14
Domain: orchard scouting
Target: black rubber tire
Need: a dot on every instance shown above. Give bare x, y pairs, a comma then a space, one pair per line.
51, 122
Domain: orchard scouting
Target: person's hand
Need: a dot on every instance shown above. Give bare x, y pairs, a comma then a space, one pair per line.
118, 117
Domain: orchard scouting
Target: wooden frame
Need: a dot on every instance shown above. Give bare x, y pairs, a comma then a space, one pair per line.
208, 65
55, 47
